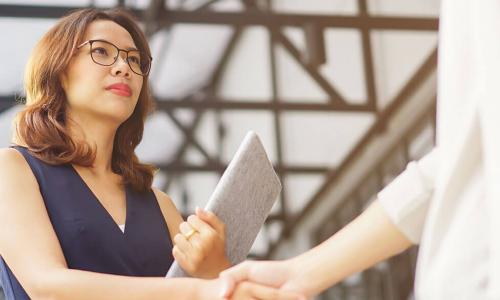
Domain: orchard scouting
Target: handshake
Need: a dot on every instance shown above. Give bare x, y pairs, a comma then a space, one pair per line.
308, 274
263, 280
258, 280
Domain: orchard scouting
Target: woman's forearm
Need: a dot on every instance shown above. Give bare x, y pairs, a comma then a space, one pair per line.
77, 284
368, 239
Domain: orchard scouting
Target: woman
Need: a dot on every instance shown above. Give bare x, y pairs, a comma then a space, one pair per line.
79, 215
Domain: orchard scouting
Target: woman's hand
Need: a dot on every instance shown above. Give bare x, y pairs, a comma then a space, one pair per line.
279, 275
213, 290
249, 290
200, 247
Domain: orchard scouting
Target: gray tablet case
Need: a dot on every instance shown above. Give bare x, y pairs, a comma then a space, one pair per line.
242, 199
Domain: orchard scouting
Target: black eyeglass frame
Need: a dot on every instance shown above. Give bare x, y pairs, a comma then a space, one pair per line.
142, 54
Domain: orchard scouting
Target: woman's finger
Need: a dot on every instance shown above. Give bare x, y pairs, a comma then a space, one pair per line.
200, 226
181, 258
187, 230
182, 243
211, 219
185, 261
192, 236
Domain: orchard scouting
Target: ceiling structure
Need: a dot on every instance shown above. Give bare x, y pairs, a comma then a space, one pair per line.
187, 110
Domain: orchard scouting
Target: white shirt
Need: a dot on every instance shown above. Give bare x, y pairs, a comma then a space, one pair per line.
449, 201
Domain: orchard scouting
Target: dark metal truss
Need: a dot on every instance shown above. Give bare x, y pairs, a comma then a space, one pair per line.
159, 17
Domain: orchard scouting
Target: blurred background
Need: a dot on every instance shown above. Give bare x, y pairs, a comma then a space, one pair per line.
341, 92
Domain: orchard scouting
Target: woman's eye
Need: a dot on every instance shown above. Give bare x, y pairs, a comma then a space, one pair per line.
134, 60
100, 51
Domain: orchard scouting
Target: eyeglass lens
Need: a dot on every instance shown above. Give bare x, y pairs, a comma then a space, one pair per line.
106, 54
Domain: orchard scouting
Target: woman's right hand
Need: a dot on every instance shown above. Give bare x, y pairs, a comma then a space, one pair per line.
279, 278
214, 289
253, 291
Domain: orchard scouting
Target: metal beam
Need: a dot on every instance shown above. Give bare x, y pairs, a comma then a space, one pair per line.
369, 66
323, 83
35, 11
227, 104
279, 105
211, 87
245, 18
188, 134
219, 167
267, 19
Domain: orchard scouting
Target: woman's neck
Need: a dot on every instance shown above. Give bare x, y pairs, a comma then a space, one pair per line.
100, 136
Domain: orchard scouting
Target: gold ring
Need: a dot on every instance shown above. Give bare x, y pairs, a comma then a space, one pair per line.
190, 234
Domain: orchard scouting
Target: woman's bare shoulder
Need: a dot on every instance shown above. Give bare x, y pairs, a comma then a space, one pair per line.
10, 157
170, 212
14, 166
162, 197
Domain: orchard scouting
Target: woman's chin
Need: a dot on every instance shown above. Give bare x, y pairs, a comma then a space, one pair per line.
120, 109
117, 116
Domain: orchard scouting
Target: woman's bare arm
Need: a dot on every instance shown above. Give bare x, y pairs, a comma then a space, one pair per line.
30, 247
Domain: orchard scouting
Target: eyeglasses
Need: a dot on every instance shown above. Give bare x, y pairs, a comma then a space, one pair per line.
105, 53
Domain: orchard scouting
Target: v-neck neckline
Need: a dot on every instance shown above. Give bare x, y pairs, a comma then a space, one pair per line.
99, 203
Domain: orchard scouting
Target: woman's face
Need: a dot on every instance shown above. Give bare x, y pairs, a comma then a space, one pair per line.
108, 93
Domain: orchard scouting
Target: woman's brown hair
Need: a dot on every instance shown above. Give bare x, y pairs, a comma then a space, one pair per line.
41, 125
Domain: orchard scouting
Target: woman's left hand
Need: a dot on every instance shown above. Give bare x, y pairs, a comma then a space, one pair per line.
200, 246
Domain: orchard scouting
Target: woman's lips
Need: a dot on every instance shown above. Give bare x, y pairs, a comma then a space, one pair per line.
120, 89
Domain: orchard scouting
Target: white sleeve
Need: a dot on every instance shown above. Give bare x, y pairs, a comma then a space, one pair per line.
406, 199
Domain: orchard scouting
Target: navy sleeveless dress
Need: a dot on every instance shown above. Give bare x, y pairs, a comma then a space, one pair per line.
89, 237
